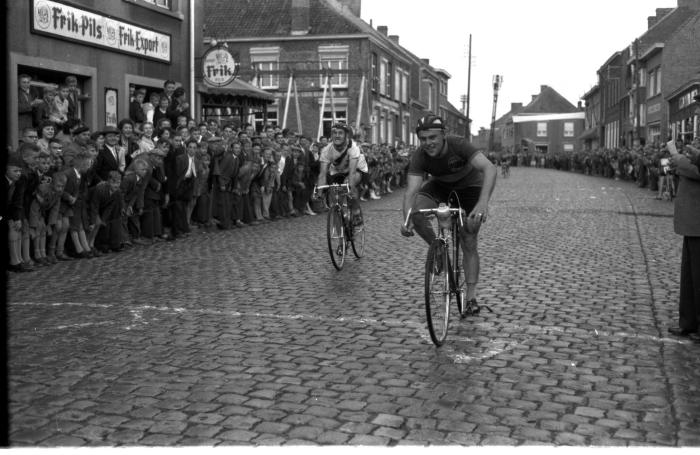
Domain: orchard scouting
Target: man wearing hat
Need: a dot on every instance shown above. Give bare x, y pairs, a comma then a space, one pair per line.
111, 156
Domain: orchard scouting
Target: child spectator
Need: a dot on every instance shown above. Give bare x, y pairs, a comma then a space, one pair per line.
133, 187
154, 193
136, 112
14, 189
42, 110
29, 153
77, 189
43, 214
105, 214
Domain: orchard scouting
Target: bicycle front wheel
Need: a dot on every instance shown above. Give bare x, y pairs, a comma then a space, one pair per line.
357, 239
336, 237
437, 291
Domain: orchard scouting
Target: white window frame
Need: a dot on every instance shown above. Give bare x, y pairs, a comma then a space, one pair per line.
335, 57
568, 129
266, 59
404, 87
397, 84
383, 65
541, 129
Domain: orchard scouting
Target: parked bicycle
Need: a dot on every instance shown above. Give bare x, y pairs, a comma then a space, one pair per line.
341, 230
443, 271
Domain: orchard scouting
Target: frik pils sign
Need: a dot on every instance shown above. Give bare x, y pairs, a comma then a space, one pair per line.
90, 27
219, 67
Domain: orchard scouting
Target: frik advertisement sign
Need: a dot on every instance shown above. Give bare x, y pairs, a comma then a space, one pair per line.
219, 67
93, 28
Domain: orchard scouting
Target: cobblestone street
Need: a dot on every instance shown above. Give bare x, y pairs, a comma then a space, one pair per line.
251, 337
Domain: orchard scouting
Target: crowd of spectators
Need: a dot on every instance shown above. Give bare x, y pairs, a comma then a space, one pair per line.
76, 192
646, 165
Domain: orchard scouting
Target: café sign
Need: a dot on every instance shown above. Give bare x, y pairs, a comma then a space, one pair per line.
77, 24
219, 67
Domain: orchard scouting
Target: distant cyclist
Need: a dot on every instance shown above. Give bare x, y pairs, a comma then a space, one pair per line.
341, 162
452, 164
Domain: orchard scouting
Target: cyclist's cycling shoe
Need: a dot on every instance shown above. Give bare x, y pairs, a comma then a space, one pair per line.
357, 219
471, 308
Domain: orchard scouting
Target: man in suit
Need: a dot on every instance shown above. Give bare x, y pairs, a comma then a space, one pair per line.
74, 98
686, 222
185, 175
111, 157
224, 170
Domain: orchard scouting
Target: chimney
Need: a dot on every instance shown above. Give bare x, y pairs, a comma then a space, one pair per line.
383, 29
580, 107
394, 38
542, 87
533, 98
651, 21
426, 61
692, 4
515, 106
300, 17
354, 6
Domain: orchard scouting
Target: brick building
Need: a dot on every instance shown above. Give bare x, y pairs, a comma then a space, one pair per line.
548, 124
320, 61
590, 138
646, 90
120, 45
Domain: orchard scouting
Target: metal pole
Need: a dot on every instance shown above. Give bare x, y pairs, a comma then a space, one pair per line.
496, 85
469, 85
359, 102
298, 108
323, 106
286, 104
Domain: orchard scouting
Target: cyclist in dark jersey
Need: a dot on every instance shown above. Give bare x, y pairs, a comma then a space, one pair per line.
451, 164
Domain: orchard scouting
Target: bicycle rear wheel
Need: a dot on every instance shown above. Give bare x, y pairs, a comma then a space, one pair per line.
336, 237
357, 239
437, 291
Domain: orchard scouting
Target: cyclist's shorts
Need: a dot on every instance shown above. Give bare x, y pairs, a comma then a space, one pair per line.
439, 192
338, 178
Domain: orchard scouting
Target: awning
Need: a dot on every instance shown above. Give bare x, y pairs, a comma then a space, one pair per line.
590, 133
237, 88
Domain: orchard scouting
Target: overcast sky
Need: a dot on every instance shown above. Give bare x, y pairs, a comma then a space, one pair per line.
560, 43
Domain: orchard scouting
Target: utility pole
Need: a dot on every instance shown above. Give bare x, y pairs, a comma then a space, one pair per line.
469, 85
497, 81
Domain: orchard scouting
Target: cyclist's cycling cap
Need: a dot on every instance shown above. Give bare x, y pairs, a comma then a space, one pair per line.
342, 126
430, 122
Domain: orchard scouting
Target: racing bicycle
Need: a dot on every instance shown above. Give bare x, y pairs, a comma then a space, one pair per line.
341, 231
443, 270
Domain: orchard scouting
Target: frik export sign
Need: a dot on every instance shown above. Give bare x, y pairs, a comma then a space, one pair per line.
76, 24
219, 67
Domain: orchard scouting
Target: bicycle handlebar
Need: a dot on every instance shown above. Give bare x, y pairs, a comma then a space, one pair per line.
334, 185
460, 211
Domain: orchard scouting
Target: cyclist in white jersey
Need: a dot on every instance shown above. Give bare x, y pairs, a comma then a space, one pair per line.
342, 162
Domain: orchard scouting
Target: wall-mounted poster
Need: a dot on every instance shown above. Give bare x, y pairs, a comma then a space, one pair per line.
111, 117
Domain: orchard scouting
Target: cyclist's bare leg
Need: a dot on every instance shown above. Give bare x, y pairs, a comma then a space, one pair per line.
470, 262
420, 223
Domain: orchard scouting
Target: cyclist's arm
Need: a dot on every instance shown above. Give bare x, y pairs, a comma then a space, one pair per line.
413, 184
322, 174
486, 167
